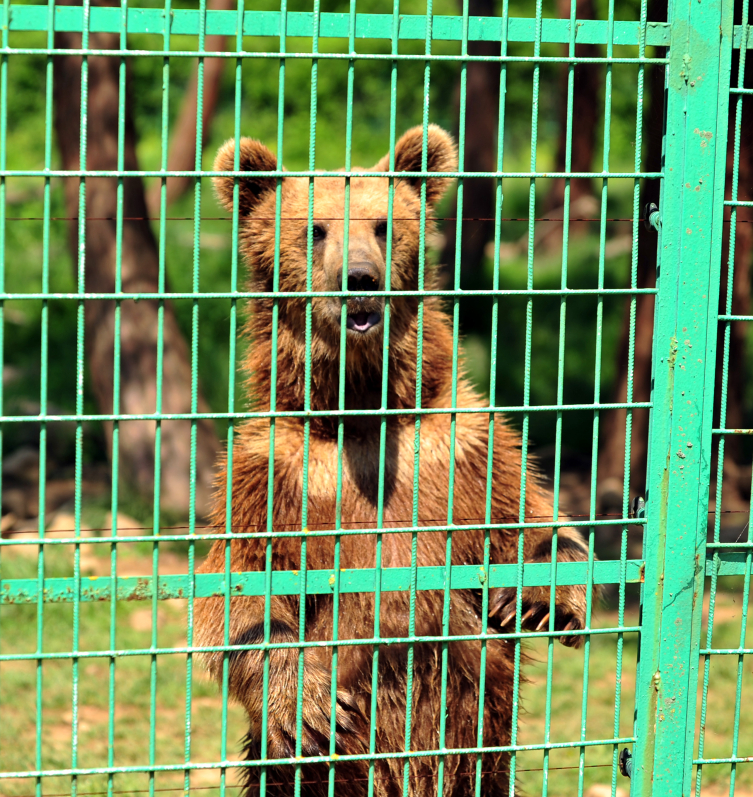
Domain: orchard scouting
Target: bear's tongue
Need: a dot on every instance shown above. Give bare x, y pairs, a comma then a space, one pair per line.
360, 321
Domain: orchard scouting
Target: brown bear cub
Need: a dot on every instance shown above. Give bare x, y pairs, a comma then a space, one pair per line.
366, 273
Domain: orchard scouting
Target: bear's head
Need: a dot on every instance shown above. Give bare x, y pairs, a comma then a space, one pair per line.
365, 239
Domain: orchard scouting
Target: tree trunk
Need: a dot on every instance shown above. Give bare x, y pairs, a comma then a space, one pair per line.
587, 113
612, 455
482, 116
182, 153
139, 272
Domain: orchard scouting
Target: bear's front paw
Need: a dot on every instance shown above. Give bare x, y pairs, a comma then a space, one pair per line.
315, 721
569, 615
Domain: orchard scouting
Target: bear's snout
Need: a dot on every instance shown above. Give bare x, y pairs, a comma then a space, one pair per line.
364, 311
362, 278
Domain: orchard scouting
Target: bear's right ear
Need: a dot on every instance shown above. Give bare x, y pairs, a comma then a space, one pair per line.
254, 157
441, 156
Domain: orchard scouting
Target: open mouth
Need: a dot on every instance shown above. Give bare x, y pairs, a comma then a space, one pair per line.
363, 321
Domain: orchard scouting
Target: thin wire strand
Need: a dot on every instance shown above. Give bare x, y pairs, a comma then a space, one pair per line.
320, 218
601, 516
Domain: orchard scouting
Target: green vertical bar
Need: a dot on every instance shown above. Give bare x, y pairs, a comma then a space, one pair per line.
307, 396
447, 599
81, 285
3, 165
273, 400
43, 388
683, 386
161, 284
419, 380
231, 396
194, 390
560, 395
743, 627
498, 200
629, 394
384, 400
597, 387
3, 188
493, 347
116, 397
341, 392
526, 397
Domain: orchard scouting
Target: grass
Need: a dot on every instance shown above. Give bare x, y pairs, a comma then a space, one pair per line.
150, 706
144, 729
572, 704
574, 707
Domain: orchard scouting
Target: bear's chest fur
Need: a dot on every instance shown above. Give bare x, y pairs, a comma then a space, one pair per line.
374, 481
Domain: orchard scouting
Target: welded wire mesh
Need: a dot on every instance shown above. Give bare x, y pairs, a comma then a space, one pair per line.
723, 644
100, 682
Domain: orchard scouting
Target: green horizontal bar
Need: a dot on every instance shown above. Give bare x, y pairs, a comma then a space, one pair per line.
726, 651
323, 294
320, 56
318, 582
30, 18
737, 37
740, 545
80, 771
731, 563
237, 534
321, 582
314, 173
336, 26
218, 416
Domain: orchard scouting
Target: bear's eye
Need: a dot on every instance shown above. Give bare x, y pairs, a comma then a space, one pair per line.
318, 233
381, 229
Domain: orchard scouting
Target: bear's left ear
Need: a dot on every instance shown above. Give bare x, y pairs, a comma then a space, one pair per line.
441, 156
254, 157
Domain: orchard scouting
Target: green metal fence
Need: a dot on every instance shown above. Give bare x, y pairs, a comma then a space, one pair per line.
100, 686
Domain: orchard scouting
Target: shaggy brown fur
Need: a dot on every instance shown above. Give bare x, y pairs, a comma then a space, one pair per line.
363, 375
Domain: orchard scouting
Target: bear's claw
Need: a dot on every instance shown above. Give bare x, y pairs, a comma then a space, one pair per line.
535, 617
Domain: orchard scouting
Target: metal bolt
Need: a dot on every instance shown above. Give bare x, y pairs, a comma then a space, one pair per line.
626, 763
637, 507
651, 216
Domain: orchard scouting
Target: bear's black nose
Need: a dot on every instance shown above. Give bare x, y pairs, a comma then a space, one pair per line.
361, 279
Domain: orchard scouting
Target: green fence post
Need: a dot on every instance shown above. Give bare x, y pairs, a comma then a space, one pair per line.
695, 145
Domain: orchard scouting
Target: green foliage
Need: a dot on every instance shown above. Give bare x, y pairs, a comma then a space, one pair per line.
260, 78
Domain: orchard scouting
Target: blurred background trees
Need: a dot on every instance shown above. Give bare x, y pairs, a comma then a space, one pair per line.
145, 334
200, 250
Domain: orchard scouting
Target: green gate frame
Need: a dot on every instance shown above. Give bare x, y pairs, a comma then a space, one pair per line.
700, 37
684, 366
